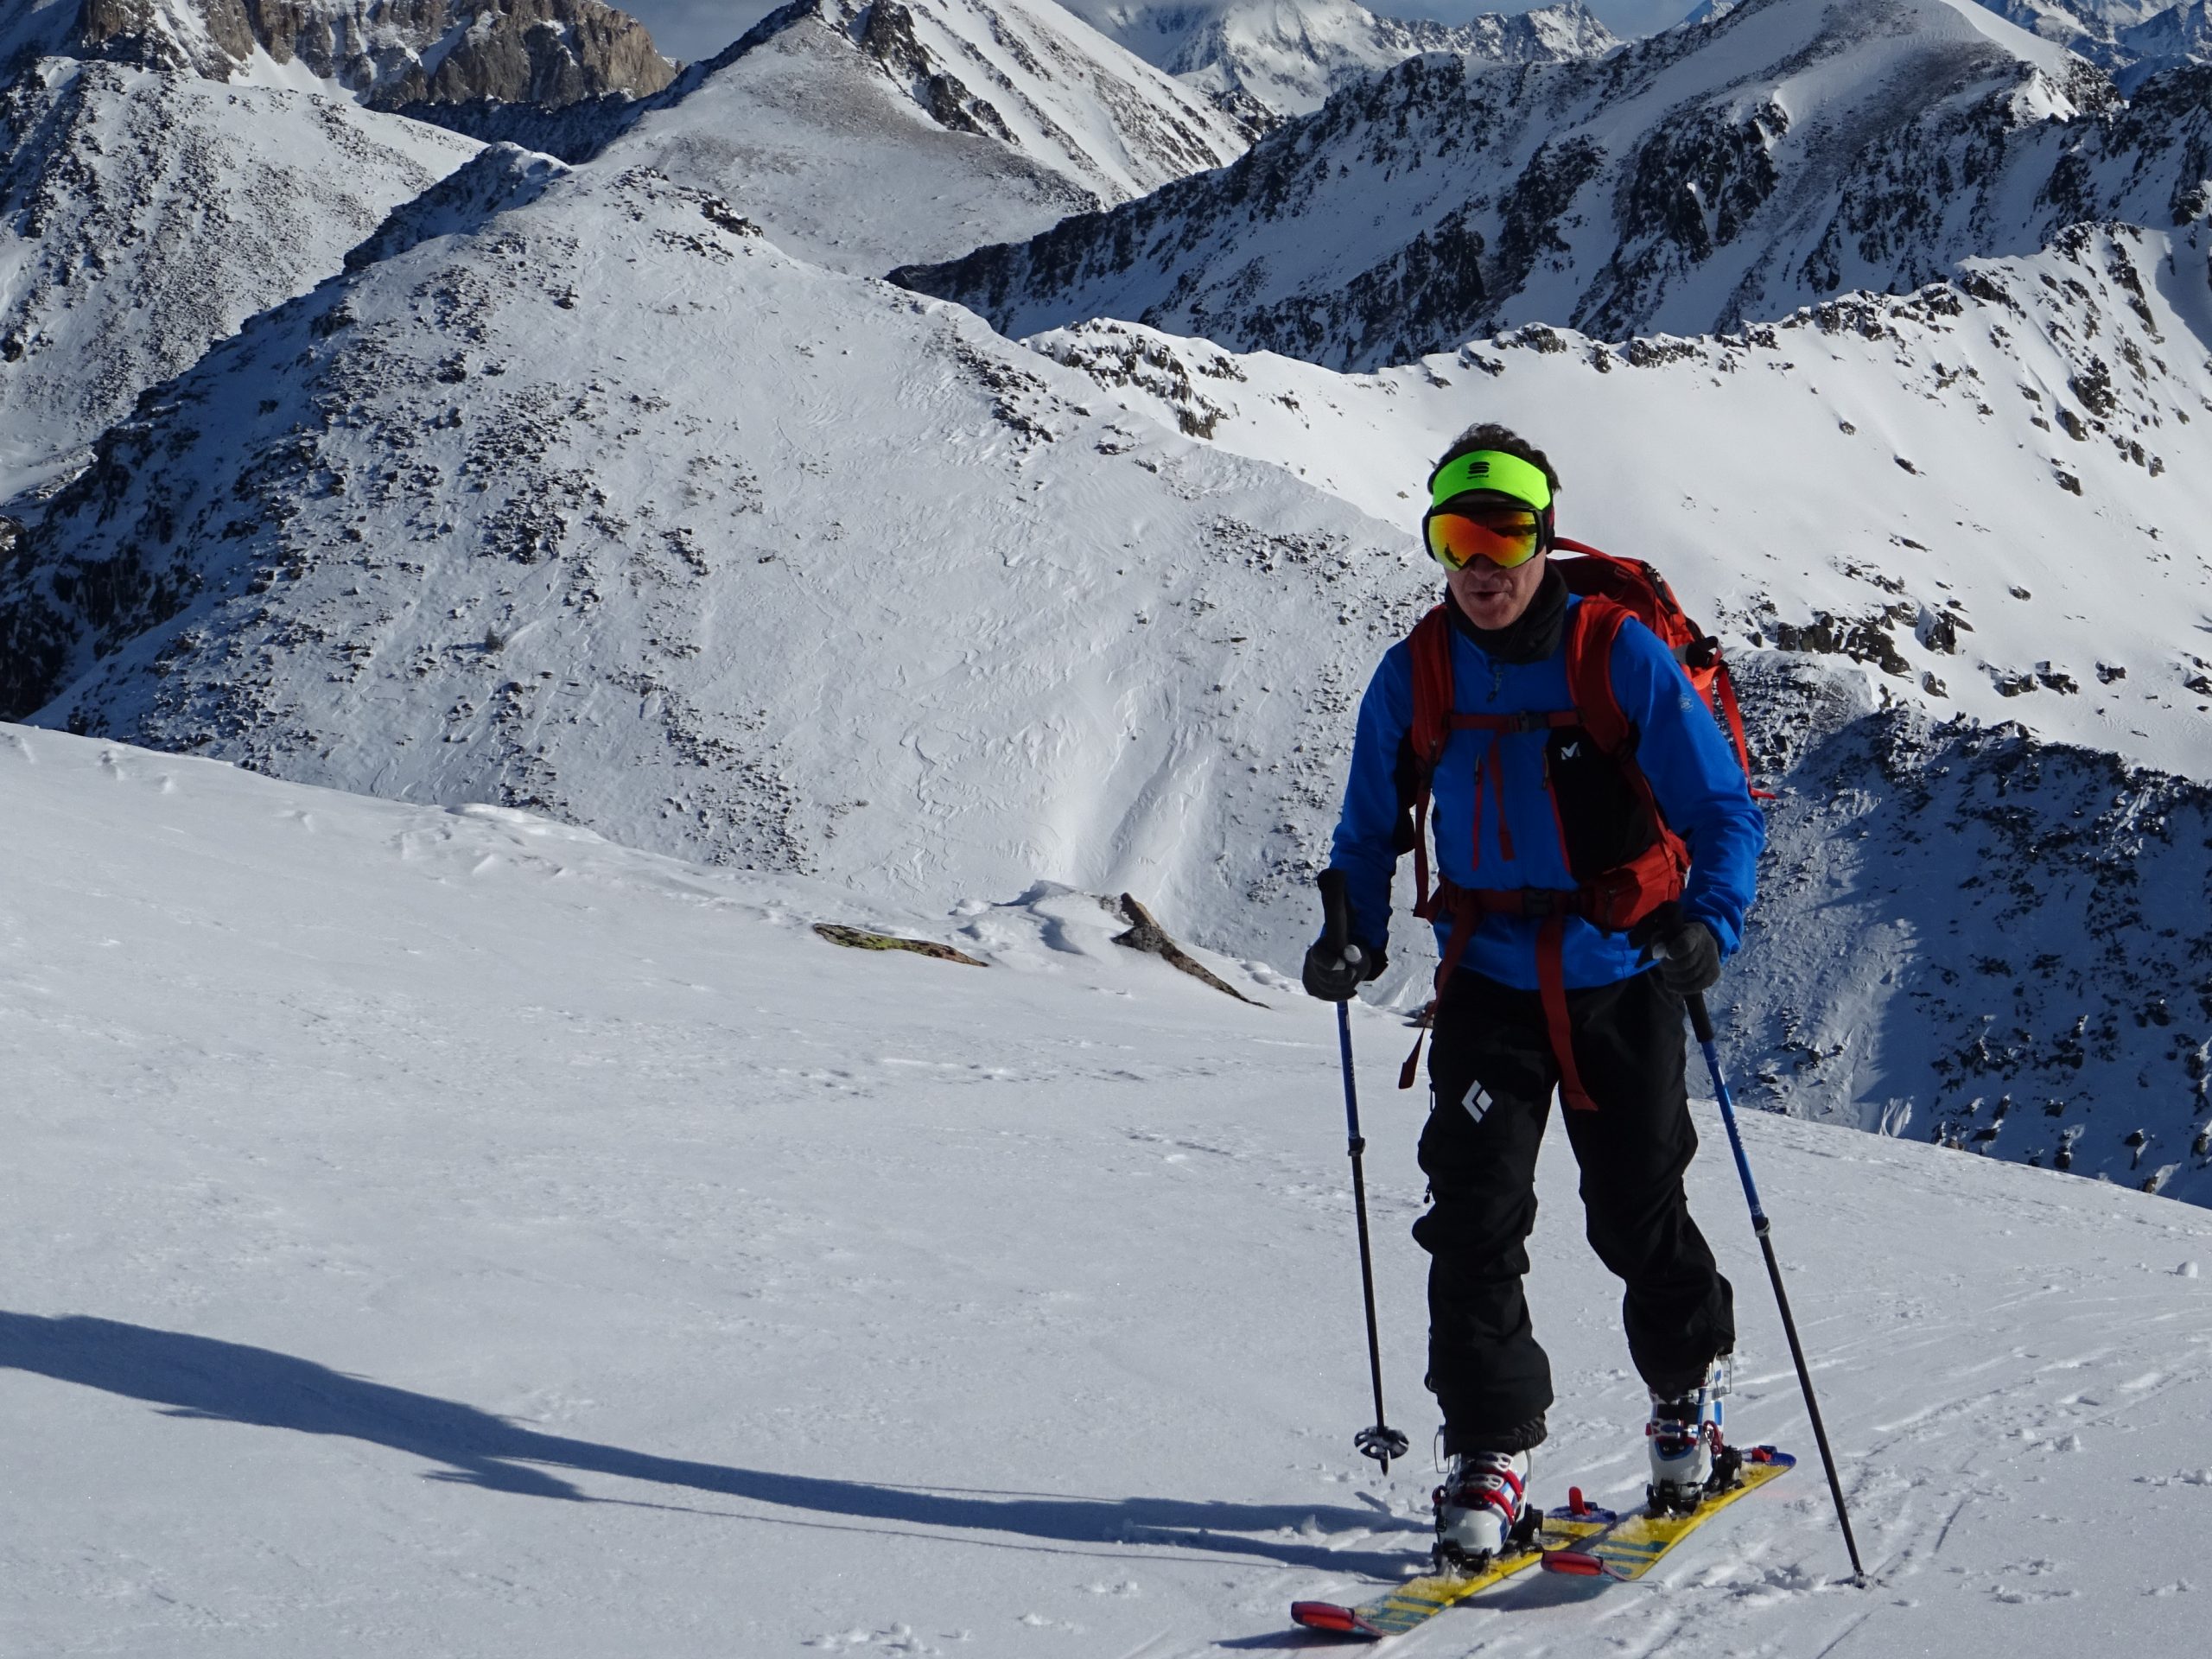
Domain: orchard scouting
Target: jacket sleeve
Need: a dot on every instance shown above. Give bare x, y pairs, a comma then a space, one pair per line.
1365, 844
1699, 785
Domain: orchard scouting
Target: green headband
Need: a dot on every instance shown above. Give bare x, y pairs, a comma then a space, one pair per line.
1491, 469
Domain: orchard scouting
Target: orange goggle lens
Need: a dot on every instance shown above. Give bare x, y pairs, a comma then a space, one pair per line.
1505, 539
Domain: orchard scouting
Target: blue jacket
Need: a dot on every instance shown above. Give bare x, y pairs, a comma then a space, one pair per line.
1692, 772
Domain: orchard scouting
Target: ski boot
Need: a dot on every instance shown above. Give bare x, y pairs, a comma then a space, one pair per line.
1690, 1459
1482, 1510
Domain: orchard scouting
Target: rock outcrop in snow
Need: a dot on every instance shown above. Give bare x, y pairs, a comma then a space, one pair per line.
1706, 177
389, 54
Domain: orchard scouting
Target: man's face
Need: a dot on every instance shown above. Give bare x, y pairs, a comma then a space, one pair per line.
1493, 598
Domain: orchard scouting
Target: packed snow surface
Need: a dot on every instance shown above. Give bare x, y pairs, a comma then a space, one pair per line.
445, 1231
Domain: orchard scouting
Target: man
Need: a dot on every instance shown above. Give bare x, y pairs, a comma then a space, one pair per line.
1571, 934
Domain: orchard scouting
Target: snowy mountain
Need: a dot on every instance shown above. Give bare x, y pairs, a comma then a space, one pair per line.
862, 136
387, 53
145, 213
607, 505
442, 1231
1786, 152
1285, 57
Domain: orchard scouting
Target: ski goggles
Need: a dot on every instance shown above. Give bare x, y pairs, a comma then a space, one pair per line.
1505, 536
1487, 505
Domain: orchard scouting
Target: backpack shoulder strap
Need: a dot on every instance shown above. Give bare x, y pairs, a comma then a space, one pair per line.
1593, 626
1431, 641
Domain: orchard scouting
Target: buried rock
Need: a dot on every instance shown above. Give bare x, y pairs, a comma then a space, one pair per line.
1148, 935
859, 938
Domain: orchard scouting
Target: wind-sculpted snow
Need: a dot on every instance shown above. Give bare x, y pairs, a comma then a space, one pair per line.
1704, 178
610, 509
865, 135
1285, 57
145, 215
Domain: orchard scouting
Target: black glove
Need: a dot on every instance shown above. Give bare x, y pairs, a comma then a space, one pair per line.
1336, 964
1688, 955
1334, 973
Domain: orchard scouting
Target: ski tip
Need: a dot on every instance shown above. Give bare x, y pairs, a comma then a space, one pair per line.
1577, 1562
1326, 1616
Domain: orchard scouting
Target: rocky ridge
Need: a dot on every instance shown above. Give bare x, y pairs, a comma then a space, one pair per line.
388, 54
1697, 180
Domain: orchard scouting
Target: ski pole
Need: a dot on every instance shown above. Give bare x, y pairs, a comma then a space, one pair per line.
1380, 1441
1701, 1022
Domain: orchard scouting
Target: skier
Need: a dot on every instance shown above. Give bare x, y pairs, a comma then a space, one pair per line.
1534, 994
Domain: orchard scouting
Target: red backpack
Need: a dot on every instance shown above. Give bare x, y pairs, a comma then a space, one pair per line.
1616, 899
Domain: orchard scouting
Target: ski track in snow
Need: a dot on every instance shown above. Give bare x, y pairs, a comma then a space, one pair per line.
447, 1231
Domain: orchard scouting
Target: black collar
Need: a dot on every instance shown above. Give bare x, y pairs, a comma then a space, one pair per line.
1532, 636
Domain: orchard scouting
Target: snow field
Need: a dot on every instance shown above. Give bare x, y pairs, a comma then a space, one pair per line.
443, 1231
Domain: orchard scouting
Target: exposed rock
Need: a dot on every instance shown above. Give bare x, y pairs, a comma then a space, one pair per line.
860, 938
393, 53
1148, 936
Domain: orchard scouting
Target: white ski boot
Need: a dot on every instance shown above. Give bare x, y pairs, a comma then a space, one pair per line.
1690, 1459
1482, 1509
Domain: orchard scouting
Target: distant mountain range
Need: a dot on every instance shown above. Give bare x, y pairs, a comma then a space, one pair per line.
1273, 58
1706, 177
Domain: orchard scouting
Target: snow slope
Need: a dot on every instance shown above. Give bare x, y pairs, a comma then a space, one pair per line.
442, 1231
863, 136
1285, 57
1787, 152
144, 215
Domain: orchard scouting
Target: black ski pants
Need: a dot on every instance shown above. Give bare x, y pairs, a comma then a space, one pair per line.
1492, 1073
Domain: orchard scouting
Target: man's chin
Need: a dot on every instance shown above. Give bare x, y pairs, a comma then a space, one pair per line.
1489, 611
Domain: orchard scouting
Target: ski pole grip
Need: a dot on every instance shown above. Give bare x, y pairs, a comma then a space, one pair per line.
1335, 910
1700, 1022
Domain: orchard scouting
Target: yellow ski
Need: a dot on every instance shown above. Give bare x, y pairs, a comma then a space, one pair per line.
1633, 1544
1419, 1599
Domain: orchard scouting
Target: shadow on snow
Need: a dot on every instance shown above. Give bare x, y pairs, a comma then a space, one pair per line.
199, 1377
